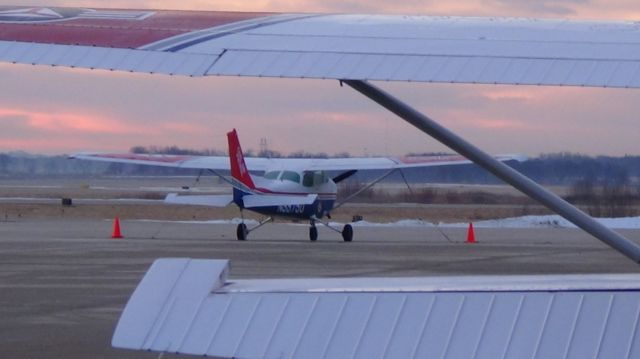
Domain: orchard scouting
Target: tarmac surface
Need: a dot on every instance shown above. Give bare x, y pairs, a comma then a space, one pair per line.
63, 283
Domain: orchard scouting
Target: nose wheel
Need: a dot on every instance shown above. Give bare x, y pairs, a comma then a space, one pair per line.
313, 233
242, 232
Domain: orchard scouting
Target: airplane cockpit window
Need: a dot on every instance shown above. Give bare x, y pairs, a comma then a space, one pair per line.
314, 178
307, 179
272, 175
290, 176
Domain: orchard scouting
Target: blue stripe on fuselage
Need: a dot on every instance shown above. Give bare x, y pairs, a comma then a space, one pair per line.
318, 208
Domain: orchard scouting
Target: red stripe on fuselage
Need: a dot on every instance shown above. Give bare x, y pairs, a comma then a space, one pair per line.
268, 191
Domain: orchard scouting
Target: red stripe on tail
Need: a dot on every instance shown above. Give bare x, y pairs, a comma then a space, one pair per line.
236, 158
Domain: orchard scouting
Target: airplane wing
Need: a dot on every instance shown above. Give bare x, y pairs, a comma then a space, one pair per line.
324, 46
175, 161
189, 306
309, 164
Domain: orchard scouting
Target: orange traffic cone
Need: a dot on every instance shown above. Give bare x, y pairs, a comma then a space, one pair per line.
116, 229
471, 236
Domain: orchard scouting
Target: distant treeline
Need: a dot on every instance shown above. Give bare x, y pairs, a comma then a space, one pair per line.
175, 150
549, 169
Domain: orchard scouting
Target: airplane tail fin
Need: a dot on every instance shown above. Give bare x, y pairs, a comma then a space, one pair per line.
242, 180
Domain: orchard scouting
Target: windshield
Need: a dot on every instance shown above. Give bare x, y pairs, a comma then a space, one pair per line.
290, 176
272, 175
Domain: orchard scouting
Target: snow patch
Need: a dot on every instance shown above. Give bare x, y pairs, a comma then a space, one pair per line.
549, 221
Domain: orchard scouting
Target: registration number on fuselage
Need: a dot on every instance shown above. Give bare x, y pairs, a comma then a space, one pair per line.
291, 208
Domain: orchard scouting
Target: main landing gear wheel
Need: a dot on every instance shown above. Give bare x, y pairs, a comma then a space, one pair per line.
313, 233
347, 233
242, 231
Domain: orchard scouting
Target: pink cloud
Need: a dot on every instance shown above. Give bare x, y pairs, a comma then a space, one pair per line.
499, 124
464, 119
74, 122
54, 145
510, 94
338, 118
537, 95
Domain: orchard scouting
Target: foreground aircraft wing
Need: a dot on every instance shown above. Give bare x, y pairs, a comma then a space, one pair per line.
349, 47
189, 306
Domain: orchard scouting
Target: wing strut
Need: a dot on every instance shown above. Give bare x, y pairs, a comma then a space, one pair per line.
369, 185
499, 169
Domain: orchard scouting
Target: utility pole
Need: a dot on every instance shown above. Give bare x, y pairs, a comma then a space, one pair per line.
263, 146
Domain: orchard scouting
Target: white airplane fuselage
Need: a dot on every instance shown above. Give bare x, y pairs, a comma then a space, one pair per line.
293, 184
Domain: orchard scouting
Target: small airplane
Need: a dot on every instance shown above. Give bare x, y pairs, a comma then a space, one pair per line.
293, 188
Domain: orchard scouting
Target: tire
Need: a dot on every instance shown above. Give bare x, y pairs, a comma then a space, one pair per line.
313, 234
241, 232
347, 233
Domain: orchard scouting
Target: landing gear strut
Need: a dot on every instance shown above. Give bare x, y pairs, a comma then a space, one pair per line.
347, 230
242, 231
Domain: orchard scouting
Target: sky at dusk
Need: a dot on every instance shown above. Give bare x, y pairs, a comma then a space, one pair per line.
56, 110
